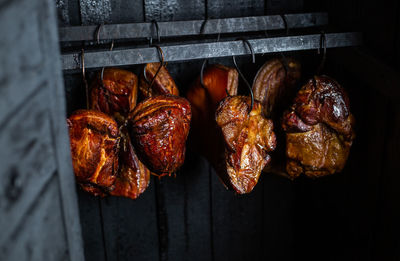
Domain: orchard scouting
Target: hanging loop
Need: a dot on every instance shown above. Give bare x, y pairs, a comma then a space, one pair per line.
161, 57
203, 26
97, 33
202, 73
284, 63
285, 23
154, 25
84, 77
322, 45
241, 74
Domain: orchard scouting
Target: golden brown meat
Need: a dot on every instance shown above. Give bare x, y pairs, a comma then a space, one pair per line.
158, 128
249, 137
319, 129
94, 138
274, 82
274, 87
133, 176
117, 95
218, 81
163, 83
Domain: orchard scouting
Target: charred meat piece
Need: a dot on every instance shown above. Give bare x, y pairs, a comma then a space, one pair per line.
218, 81
94, 138
163, 83
319, 129
116, 95
158, 128
248, 137
274, 82
133, 176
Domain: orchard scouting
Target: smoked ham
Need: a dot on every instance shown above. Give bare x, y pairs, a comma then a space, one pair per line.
94, 140
248, 139
116, 95
158, 128
162, 84
319, 129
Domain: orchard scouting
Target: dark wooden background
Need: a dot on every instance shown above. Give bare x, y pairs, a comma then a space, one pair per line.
349, 216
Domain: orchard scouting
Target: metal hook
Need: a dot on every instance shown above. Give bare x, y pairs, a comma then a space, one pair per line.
97, 33
102, 72
203, 26
284, 63
202, 72
84, 77
241, 74
205, 60
155, 24
285, 24
161, 56
322, 45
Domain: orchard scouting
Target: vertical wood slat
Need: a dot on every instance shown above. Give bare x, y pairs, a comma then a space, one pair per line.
386, 240
173, 10
237, 223
182, 203
234, 8
283, 6
278, 229
37, 195
130, 227
59, 133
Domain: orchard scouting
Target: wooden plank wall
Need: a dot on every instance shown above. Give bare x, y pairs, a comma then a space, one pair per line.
349, 216
39, 216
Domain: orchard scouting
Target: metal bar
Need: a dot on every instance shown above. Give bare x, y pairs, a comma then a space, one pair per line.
208, 50
187, 28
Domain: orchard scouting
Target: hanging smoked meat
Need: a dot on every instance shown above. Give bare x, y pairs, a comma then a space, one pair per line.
116, 95
158, 128
248, 137
94, 138
274, 83
219, 81
274, 87
162, 84
319, 129
133, 176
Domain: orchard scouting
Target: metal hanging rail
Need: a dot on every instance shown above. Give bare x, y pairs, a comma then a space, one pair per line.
188, 28
186, 52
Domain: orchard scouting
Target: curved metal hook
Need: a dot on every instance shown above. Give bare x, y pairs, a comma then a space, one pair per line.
161, 56
84, 77
241, 74
284, 63
203, 26
155, 24
202, 72
285, 24
97, 33
322, 45
253, 56
102, 69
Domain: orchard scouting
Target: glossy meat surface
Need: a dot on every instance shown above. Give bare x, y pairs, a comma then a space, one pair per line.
117, 95
319, 129
133, 176
158, 128
163, 83
94, 138
274, 83
218, 81
248, 137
